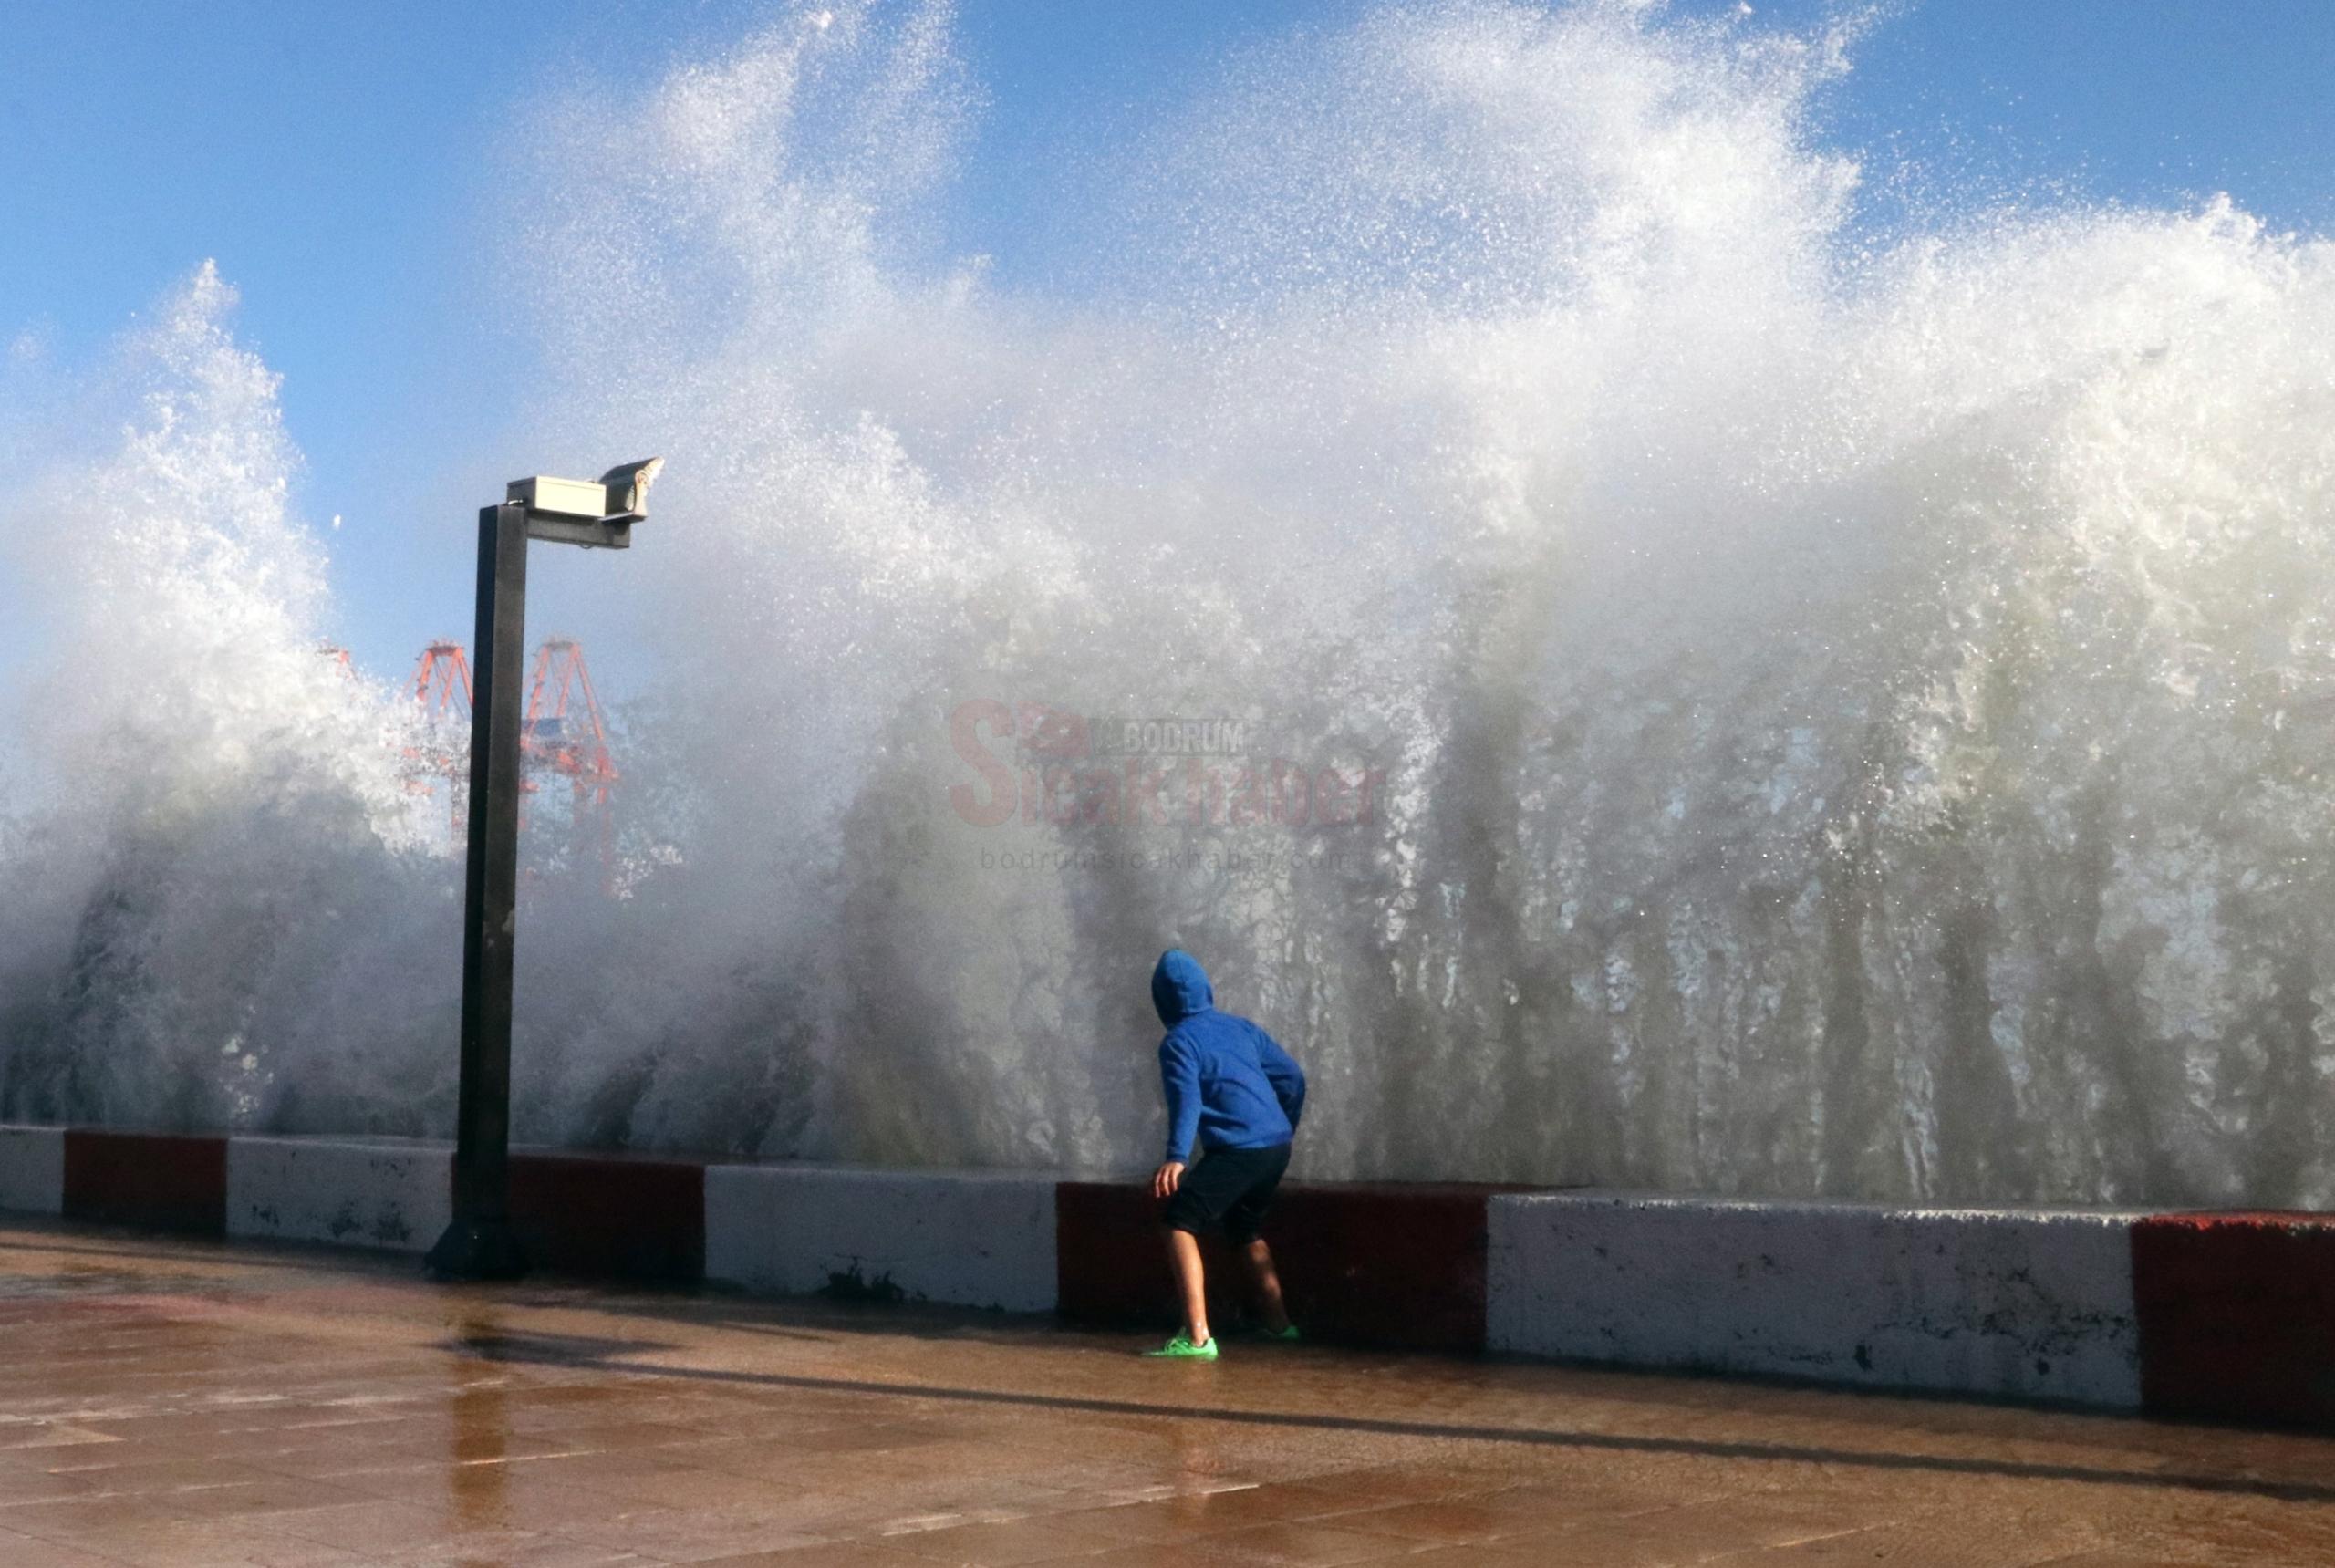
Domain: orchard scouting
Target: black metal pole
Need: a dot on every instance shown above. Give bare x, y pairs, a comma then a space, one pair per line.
479, 1244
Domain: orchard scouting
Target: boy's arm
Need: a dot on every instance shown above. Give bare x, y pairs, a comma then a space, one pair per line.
1285, 1074
1180, 1077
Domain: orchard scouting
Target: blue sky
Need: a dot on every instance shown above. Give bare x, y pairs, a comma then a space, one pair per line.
340, 163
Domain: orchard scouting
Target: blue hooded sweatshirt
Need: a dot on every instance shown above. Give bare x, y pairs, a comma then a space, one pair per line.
1228, 1085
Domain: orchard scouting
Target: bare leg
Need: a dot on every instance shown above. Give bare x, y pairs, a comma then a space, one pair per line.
1260, 1259
1185, 1252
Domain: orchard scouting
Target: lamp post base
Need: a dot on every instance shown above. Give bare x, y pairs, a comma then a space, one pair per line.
477, 1250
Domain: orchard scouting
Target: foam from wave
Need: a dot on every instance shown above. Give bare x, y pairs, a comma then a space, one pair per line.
1843, 717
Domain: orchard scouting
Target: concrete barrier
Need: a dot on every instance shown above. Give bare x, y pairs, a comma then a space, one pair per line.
2033, 1303
393, 1193
2238, 1314
1365, 1263
155, 1181
2219, 1316
972, 1238
32, 1170
633, 1217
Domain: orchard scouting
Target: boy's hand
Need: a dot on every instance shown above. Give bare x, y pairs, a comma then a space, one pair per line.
1166, 1178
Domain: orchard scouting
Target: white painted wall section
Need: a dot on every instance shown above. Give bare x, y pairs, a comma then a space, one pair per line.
388, 1193
972, 1238
2032, 1303
32, 1170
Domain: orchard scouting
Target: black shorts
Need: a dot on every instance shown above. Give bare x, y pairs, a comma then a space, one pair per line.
1230, 1189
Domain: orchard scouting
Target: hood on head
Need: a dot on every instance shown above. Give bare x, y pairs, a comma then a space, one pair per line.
1179, 987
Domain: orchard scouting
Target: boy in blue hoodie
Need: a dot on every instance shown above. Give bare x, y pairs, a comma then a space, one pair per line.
1237, 1094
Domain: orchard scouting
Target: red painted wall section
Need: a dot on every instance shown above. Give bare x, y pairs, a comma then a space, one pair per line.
610, 1214
2236, 1314
156, 1182
1362, 1264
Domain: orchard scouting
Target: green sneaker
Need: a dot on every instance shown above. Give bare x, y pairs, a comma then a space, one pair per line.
1287, 1336
1181, 1348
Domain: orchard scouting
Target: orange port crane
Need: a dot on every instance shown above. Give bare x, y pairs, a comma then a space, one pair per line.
441, 689
562, 734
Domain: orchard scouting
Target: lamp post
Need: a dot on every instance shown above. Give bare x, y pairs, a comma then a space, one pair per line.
598, 514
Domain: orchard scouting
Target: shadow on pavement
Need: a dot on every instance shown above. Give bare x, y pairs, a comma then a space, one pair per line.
612, 1356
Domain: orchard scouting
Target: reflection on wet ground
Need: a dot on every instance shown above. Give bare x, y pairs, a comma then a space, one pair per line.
176, 1403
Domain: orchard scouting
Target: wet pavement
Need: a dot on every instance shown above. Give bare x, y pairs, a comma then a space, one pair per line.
180, 1403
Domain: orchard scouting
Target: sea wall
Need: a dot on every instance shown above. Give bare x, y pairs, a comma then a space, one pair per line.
2220, 1315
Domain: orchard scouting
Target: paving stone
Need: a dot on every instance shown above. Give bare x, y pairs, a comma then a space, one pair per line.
182, 1405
